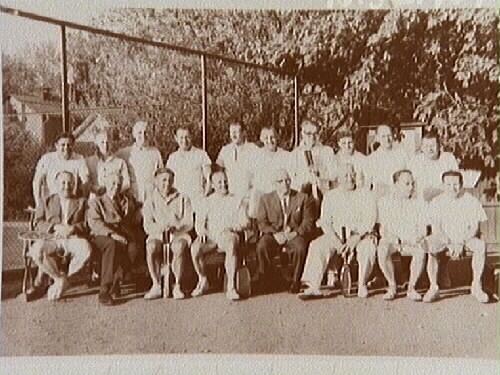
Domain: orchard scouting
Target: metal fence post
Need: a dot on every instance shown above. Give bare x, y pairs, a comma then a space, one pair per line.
203, 103
64, 82
296, 110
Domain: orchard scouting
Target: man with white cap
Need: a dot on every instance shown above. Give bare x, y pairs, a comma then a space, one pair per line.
142, 160
191, 167
350, 211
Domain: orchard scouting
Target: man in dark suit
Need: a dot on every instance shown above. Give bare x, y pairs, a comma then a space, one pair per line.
62, 217
285, 218
114, 223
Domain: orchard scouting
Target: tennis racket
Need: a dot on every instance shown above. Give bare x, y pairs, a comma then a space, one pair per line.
243, 281
345, 271
166, 271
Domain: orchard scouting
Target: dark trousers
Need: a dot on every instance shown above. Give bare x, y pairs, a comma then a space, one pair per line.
267, 248
115, 259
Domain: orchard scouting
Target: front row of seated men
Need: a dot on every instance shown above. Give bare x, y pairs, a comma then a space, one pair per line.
285, 219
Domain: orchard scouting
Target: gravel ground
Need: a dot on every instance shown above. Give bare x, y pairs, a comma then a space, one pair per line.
456, 326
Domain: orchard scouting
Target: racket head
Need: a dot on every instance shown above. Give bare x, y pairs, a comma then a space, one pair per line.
34, 235
244, 282
346, 280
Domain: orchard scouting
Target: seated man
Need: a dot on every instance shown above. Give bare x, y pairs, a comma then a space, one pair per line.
63, 159
104, 163
455, 216
221, 215
344, 207
62, 215
113, 220
166, 210
286, 219
403, 226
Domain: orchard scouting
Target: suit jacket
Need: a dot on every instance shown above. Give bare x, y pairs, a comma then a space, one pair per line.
49, 214
300, 213
105, 216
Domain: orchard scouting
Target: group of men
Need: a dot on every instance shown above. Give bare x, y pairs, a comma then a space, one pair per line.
311, 202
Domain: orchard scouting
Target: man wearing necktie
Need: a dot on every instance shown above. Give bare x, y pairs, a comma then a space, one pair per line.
114, 222
63, 216
285, 218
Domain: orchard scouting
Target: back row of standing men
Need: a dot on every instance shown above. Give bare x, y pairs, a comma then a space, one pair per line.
251, 173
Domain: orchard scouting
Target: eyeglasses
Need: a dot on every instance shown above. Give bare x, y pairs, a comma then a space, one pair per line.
282, 180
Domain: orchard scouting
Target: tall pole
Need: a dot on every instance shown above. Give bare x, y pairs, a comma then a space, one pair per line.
296, 110
203, 102
64, 82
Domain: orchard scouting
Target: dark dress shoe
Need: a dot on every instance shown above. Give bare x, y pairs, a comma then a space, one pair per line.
294, 288
105, 299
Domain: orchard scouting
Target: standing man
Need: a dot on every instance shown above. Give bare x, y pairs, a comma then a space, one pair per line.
237, 158
311, 162
347, 154
266, 159
220, 217
403, 227
114, 221
166, 211
387, 159
103, 163
142, 161
455, 217
355, 210
286, 219
428, 166
63, 216
50, 164
191, 167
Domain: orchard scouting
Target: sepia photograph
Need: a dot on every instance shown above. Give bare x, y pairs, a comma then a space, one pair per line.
249, 181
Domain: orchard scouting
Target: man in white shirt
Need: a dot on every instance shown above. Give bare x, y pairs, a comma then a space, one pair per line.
387, 159
237, 158
348, 155
142, 161
220, 217
311, 162
266, 160
166, 211
104, 163
428, 165
455, 217
50, 164
355, 210
62, 216
403, 227
191, 167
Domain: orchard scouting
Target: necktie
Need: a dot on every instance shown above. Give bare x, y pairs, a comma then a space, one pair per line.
284, 207
236, 154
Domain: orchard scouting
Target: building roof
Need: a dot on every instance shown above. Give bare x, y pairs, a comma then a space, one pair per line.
90, 126
38, 105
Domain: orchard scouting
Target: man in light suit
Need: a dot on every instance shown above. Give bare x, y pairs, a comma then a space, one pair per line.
114, 224
63, 216
285, 218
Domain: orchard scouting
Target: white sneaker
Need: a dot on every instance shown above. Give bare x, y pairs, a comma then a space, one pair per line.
362, 291
331, 278
153, 293
232, 294
57, 289
201, 287
413, 295
479, 294
390, 294
177, 292
431, 295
